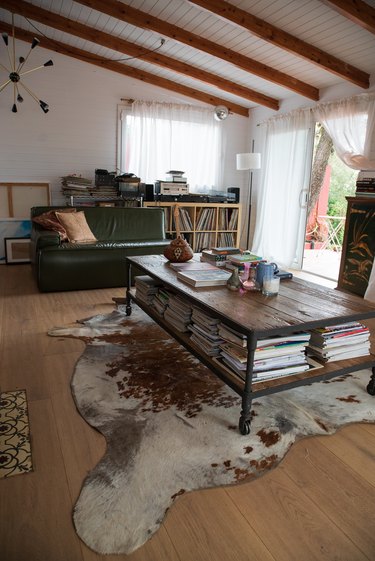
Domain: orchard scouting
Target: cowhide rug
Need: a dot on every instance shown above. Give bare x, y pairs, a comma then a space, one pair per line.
171, 426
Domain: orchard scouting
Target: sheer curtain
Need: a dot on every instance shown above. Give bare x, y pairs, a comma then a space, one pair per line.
281, 213
350, 124
158, 137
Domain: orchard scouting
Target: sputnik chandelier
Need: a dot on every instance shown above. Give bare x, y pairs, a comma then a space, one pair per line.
15, 74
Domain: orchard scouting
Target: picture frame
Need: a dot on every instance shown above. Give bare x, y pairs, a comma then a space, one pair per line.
17, 250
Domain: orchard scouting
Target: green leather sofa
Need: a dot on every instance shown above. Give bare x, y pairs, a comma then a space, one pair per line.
120, 232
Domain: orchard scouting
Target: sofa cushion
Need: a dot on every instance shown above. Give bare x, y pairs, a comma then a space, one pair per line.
49, 221
77, 229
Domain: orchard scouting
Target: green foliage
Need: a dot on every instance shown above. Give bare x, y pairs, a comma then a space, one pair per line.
342, 185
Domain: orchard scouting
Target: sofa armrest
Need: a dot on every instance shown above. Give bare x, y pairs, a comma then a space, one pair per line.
44, 238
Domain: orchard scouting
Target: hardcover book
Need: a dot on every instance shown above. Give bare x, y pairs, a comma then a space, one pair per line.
225, 250
215, 277
192, 266
239, 258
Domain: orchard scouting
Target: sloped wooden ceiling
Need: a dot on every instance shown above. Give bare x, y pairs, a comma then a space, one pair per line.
220, 53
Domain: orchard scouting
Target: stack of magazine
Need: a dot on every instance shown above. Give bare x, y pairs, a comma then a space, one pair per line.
274, 357
339, 342
160, 301
204, 330
178, 313
146, 288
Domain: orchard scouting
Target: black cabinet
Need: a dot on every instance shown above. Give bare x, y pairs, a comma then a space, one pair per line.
359, 245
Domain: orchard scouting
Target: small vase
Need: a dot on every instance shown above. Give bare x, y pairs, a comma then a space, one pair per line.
250, 284
178, 251
234, 282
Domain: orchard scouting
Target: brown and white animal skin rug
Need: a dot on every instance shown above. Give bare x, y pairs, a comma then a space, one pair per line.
171, 426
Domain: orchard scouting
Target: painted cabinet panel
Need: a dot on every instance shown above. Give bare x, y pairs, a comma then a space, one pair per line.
359, 245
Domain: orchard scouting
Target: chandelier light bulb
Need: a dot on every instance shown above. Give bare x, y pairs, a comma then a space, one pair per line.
44, 106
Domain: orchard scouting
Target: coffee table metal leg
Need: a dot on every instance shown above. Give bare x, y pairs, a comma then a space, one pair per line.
245, 418
371, 385
128, 309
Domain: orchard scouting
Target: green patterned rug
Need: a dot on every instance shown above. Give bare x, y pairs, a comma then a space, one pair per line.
15, 449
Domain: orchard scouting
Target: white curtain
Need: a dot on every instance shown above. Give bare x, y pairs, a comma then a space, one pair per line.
286, 164
350, 124
158, 137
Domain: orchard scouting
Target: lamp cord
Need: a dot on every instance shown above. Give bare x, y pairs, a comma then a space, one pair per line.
95, 58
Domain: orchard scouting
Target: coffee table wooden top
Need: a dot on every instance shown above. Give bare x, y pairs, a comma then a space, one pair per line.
299, 304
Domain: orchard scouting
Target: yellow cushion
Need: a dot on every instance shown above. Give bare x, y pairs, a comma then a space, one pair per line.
49, 221
77, 229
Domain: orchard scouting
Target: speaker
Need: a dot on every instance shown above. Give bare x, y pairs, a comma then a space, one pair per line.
149, 194
236, 191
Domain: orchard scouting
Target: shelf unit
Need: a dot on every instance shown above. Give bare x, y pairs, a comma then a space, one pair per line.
92, 200
203, 225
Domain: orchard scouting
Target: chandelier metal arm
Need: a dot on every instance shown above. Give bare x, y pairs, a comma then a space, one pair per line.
32, 70
19, 96
5, 68
4, 85
29, 92
10, 60
22, 64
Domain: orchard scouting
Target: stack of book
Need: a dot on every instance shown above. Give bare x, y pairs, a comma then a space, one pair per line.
339, 342
365, 184
215, 259
146, 288
104, 192
219, 255
74, 185
178, 313
160, 301
273, 358
204, 330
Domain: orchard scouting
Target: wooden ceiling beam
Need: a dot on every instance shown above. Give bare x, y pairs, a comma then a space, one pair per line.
143, 20
107, 64
106, 40
288, 42
357, 11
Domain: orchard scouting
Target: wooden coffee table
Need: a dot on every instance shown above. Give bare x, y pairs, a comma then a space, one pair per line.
299, 306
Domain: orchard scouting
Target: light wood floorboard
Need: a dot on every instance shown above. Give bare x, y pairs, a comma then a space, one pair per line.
318, 504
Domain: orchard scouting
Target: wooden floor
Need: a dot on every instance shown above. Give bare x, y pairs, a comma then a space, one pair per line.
319, 504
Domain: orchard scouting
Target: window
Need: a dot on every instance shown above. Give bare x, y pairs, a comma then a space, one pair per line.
158, 137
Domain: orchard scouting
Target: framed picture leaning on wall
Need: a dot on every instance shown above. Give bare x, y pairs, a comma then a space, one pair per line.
17, 250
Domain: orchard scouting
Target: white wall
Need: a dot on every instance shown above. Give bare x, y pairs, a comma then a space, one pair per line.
79, 133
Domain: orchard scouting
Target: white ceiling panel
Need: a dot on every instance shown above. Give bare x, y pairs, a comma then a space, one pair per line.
309, 20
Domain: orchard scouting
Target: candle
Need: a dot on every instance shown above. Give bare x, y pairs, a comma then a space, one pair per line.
271, 286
